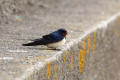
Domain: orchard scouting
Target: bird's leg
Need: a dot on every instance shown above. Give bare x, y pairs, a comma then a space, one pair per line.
54, 48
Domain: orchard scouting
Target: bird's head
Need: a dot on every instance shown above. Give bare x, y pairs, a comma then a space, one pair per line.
63, 32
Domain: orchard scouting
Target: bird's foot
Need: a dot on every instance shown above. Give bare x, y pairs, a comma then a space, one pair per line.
56, 49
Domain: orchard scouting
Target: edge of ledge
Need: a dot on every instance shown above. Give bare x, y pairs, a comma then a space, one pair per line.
39, 65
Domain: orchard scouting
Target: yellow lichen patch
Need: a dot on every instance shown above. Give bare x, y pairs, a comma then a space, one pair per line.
83, 59
80, 61
94, 41
94, 36
84, 45
55, 70
82, 55
48, 70
65, 55
84, 48
71, 62
89, 43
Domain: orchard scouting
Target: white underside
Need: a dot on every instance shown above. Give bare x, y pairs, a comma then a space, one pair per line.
57, 44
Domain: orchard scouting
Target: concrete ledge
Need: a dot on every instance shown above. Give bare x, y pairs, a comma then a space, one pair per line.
101, 63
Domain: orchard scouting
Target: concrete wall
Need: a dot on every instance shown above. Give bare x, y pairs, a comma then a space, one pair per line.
101, 63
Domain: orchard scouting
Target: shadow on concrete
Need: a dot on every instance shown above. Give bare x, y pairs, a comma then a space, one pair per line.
46, 49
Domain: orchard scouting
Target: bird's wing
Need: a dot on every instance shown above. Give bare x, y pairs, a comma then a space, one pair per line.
51, 38
46, 39
35, 42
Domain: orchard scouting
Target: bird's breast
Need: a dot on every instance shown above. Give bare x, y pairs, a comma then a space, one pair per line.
57, 44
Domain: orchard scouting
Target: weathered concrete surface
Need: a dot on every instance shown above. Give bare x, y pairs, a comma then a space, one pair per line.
42, 17
103, 64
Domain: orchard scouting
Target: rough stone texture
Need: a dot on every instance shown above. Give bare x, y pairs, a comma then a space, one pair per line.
22, 20
101, 65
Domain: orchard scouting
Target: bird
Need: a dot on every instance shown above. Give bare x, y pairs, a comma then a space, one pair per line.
52, 40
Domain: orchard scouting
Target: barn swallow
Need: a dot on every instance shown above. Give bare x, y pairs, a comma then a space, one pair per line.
52, 40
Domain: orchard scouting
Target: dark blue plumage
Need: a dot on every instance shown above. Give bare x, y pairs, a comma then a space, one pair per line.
50, 38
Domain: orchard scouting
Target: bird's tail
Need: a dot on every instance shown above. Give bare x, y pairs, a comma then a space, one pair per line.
28, 44
35, 43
